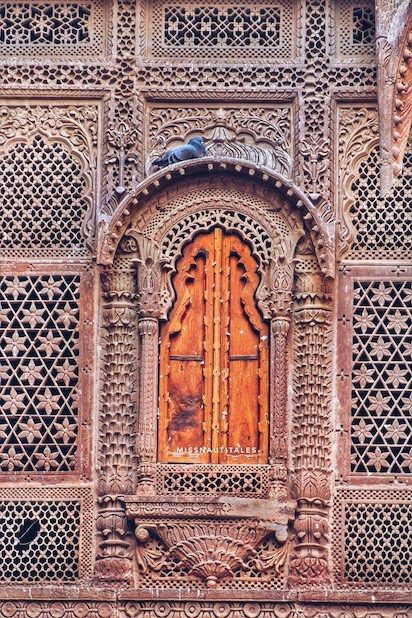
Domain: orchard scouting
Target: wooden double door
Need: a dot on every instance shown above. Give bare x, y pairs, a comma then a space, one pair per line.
214, 358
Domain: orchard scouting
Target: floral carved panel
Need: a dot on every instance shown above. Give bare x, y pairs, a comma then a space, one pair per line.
237, 129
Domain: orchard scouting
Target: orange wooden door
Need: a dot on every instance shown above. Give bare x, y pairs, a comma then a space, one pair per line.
214, 358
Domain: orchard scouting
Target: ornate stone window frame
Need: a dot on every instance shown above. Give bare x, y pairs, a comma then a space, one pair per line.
137, 295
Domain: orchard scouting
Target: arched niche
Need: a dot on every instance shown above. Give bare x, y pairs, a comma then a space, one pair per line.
140, 251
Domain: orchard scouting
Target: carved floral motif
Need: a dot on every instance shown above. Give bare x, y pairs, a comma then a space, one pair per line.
358, 134
255, 134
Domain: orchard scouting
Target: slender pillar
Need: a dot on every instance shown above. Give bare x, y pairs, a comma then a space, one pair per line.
278, 443
147, 420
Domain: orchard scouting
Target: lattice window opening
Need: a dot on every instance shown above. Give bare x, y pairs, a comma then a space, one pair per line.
208, 26
222, 32
363, 25
382, 224
43, 200
39, 357
59, 24
71, 29
39, 541
355, 30
381, 424
377, 547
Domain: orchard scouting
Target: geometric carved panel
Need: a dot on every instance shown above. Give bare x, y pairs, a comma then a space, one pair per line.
376, 373
53, 28
381, 375
376, 543
41, 532
382, 224
41, 207
224, 31
244, 480
41, 373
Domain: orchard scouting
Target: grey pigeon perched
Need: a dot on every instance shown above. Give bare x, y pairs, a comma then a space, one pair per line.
194, 149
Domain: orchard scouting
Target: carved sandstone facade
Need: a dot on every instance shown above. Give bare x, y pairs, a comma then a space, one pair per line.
205, 370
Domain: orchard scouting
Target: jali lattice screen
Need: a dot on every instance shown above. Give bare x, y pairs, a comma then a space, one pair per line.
375, 375
43, 370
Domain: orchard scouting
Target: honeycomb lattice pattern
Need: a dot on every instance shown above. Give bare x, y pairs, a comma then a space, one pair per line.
378, 543
225, 31
38, 372
356, 30
381, 426
243, 480
382, 224
42, 203
41, 28
54, 552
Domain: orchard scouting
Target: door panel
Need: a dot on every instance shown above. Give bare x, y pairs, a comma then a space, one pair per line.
214, 358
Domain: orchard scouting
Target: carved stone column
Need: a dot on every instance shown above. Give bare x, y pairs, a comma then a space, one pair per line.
312, 429
117, 468
275, 301
146, 427
278, 443
151, 299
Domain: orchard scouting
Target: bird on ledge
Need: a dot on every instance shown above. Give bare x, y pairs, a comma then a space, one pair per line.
194, 149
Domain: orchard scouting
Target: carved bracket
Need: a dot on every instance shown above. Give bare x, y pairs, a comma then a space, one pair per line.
208, 549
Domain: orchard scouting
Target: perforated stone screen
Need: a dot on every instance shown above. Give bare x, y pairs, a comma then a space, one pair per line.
382, 224
375, 545
41, 534
355, 34
223, 32
375, 371
42, 362
226, 479
53, 29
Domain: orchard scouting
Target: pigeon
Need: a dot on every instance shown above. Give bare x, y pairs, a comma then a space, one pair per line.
194, 149
26, 534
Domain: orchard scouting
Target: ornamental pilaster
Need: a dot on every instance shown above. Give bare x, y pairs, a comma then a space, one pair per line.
312, 429
117, 468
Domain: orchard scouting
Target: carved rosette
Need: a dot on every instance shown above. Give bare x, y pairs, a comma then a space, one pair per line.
117, 449
312, 429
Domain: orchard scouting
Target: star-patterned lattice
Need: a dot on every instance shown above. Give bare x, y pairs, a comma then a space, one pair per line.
381, 397
38, 372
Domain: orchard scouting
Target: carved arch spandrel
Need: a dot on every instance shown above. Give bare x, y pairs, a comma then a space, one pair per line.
158, 233
358, 134
112, 230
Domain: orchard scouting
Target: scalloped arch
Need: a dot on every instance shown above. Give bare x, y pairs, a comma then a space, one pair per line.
111, 231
